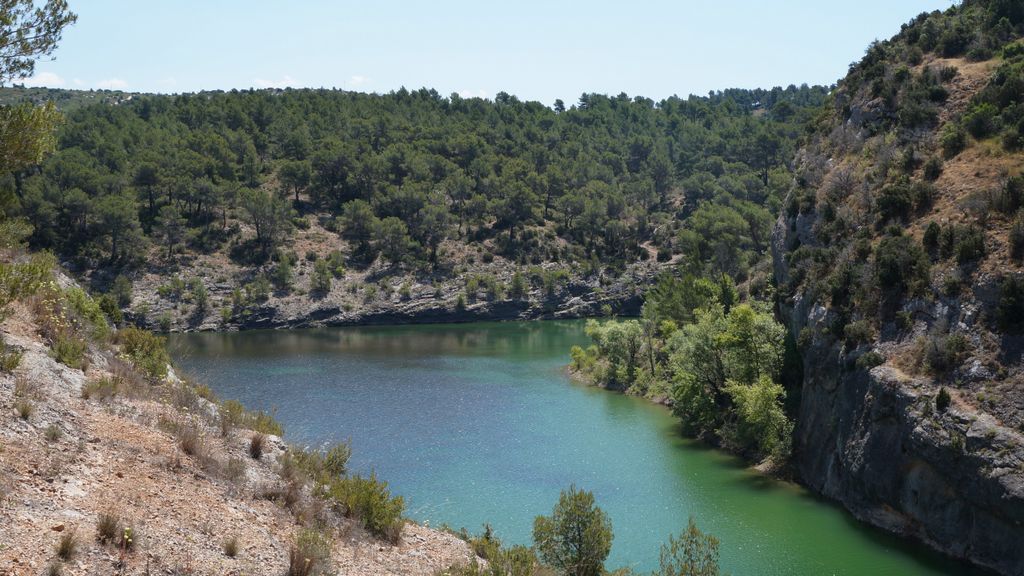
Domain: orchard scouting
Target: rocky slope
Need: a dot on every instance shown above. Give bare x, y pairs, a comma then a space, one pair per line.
66, 461
379, 294
912, 403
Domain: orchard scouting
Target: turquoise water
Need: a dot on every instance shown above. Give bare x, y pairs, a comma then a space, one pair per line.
478, 423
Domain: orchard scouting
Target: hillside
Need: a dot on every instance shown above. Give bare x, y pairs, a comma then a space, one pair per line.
109, 463
898, 263
298, 207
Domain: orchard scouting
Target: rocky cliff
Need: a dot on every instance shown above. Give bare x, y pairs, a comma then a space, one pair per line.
898, 272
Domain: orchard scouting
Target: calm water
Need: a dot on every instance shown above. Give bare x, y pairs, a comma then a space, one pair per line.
477, 423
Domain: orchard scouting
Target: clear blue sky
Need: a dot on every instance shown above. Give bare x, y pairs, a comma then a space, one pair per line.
533, 49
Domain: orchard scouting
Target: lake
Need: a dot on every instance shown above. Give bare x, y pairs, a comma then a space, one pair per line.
476, 423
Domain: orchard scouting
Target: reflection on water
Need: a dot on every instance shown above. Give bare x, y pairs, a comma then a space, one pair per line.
477, 423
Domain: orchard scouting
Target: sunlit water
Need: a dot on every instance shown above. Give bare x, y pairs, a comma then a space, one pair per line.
478, 423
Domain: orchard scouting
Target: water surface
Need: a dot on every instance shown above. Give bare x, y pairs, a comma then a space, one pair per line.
478, 423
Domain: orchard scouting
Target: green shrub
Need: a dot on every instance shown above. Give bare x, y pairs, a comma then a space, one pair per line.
121, 290
970, 244
980, 120
1009, 198
901, 265
18, 280
577, 537
1017, 238
693, 553
932, 169
369, 501
858, 332
10, 359
953, 140
321, 281
944, 352
931, 238
70, 350
145, 350
1010, 308
869, 360
942, 400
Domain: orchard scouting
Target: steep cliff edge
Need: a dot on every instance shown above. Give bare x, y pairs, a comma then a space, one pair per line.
898, 263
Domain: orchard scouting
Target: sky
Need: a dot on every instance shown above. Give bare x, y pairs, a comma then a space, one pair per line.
533, 49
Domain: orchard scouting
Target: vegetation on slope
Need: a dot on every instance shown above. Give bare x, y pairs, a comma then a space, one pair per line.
919, 205
417, 183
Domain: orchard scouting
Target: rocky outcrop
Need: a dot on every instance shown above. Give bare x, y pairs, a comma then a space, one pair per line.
874, 440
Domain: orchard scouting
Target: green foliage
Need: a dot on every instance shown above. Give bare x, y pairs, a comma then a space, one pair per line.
901, 266
760, 419
400, 173
322, 277
369, 501
577, 537
1009, 313
70, 350
692, 553
145, 350
18, 280
932, 169
618, 343
942, 400
953, 140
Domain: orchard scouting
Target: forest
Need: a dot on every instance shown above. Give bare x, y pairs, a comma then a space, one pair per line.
143, 179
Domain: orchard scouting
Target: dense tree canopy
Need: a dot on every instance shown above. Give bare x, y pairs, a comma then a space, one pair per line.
610, 179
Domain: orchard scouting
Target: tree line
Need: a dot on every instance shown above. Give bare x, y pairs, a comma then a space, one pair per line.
611, 179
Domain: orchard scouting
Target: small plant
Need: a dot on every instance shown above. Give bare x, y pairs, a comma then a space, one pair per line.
189, 439
256, 445
310, 555
942, 400
67, 545
70, 351
100, 389
230, 546
55, 568
108, 527
24, 408
53, 433
9, 359
127, 542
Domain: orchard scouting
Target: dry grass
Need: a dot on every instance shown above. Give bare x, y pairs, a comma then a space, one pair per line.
67, 545
230, 546
108, 526
256, 445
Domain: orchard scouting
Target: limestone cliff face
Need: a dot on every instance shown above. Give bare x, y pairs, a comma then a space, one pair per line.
873, 440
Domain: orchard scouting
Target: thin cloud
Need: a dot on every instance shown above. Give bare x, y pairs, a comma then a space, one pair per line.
357, 80
285, 82
478, 93
169, 81
112, 84
45, 79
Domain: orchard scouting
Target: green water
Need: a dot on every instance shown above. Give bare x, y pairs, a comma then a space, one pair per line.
478, 423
